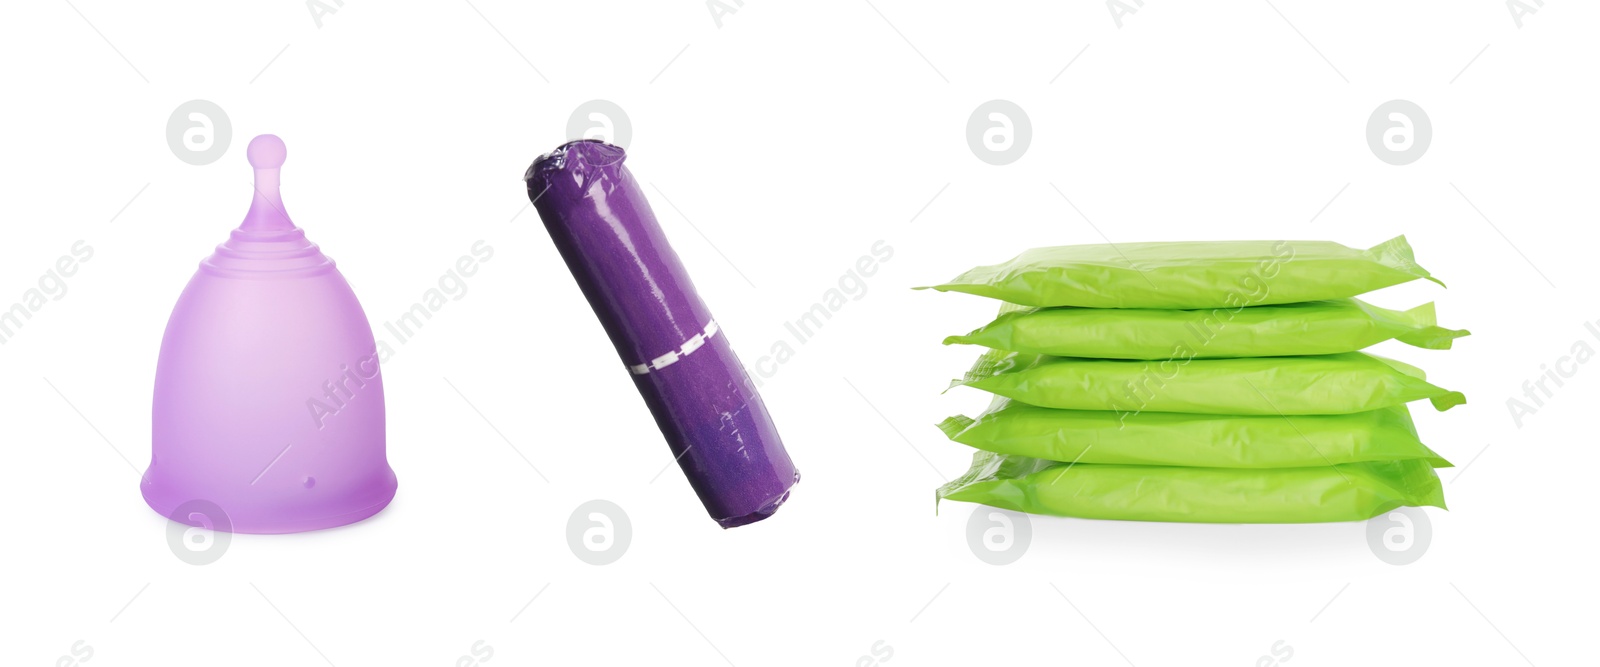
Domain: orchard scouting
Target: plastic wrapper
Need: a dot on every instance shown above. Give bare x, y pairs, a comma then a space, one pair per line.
1316, 327
1344, 492
1190, 275
1313, 385
703, 401
1178, 439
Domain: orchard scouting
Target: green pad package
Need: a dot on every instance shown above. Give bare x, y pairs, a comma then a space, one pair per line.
1314, 385
1345, 492
1316, 327
1200, 274
1177, 439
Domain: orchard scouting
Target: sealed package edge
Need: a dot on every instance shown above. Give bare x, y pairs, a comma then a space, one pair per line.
1316, 327
1177, 439
703, 401
1313, 385
1189, 275
1345, 492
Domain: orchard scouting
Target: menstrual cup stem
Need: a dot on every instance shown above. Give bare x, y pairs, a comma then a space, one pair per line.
267, 214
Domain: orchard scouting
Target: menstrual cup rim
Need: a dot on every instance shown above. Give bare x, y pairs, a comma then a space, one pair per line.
318, 523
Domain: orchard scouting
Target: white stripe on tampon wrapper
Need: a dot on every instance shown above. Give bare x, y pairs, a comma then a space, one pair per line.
670, 358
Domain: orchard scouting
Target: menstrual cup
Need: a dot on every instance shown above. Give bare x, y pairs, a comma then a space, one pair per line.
702, 399
268, 414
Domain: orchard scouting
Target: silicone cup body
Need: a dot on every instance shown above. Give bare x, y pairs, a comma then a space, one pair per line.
703, 401
269, 406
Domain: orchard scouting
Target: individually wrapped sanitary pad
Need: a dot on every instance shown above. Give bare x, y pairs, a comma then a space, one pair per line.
1316, 327
1211, 382
1312, 385
1344, 492
1177, 439
1190, 275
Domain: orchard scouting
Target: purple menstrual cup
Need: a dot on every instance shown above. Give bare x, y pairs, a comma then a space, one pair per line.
679, 358
268, 414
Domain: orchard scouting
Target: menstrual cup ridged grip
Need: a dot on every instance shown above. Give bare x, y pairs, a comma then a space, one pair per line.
702, 399
268, 414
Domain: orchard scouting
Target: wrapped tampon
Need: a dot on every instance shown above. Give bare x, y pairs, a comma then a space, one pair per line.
702, 400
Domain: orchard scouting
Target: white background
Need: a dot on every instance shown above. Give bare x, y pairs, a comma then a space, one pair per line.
793, 137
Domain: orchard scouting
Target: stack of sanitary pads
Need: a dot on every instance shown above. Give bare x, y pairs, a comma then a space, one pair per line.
1202, 382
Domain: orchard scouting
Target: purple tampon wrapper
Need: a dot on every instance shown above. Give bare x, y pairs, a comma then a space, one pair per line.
680, 360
